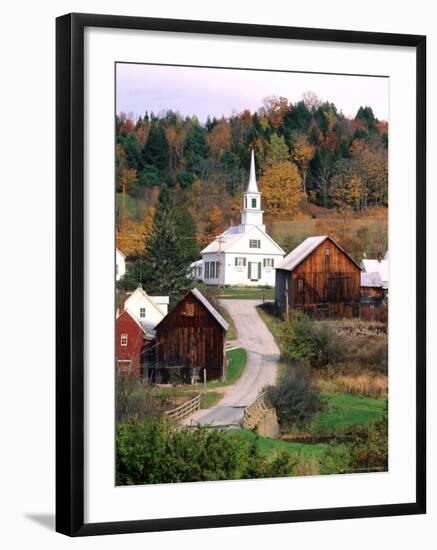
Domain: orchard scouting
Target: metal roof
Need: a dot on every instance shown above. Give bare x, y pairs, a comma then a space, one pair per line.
374, 266
371, 279
209, 307
302, 251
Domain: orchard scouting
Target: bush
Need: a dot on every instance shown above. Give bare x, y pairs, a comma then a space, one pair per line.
134, 400
294, 397
313, 342
151, 451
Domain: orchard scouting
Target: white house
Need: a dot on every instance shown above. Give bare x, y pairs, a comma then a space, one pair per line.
148, 310
244, 255
120, 264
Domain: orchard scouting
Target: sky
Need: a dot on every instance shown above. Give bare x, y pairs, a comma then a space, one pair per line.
215, 92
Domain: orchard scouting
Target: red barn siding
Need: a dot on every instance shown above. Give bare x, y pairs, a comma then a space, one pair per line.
125, 324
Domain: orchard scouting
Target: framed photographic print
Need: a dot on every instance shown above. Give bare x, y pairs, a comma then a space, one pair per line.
240, 274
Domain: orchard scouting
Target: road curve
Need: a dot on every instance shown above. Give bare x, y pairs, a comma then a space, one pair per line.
261, 368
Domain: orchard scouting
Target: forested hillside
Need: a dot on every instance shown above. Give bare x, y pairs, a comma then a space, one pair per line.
314, 165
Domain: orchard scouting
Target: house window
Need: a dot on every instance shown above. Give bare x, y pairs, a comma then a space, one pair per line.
207, 270
189, 310
240, 262
254, 243
269, 262
300, 282
327, 251
200, 272
253, 203
212, 270
142, 312
123, 340
245, 202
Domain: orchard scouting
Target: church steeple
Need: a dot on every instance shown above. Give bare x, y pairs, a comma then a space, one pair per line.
252, 213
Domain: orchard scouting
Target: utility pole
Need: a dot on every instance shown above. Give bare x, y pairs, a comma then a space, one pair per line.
219, 264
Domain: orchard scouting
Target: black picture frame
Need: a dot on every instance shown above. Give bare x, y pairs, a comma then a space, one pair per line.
70, 273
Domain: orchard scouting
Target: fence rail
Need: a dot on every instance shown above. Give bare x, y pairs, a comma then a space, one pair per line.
185, 409
254, 413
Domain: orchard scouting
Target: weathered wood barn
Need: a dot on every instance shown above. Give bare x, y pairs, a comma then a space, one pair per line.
319, 278
191, 339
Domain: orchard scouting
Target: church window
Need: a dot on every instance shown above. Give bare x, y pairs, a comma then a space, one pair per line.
212, 270
207, 270
240, 262
269, 262
253, 203
245, 202
254, 243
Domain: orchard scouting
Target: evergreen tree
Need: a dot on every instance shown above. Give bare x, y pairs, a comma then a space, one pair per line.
166, 260
186, 229
196, 148
156, 152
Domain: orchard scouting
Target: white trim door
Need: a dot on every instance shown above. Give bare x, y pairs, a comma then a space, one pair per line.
254, 271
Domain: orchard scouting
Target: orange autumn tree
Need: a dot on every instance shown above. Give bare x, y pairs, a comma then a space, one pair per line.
131, 235
281, 187
302, 154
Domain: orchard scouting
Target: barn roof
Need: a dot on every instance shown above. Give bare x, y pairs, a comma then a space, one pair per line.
371, 279
381, 267
302, 251
209, 307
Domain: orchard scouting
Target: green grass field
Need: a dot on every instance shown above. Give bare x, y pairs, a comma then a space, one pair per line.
268, 446
344, 411
237, 363
247, 293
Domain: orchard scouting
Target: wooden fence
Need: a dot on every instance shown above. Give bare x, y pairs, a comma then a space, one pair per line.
185, 409
253, 414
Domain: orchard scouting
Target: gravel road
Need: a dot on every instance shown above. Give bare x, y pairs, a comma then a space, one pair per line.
261, 368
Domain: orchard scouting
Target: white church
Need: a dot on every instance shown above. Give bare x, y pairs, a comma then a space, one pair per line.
243, 255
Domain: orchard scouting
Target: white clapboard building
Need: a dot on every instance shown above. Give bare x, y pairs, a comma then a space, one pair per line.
244, 255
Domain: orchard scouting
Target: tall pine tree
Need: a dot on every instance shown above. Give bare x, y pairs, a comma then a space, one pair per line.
166, 263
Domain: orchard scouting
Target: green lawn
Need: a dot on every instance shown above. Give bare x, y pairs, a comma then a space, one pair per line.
268, 446
247, 293
209, 399
237, 363
343, 411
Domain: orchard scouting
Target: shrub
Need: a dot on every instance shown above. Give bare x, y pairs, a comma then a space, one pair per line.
294, 397
314, 342
151, 451
134, 400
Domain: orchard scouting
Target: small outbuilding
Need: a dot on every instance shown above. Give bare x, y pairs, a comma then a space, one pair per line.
319, 278
131, 340
191, 340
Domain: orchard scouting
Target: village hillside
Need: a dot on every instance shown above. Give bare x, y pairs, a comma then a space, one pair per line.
252, 288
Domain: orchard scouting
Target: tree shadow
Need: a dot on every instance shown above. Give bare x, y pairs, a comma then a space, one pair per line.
46, 520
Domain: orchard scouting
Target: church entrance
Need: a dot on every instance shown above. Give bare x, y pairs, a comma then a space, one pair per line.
254, 271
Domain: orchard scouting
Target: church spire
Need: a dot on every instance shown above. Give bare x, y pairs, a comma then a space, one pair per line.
252, 214
252, 186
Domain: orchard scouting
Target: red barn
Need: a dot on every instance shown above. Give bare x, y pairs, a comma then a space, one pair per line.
130, 340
